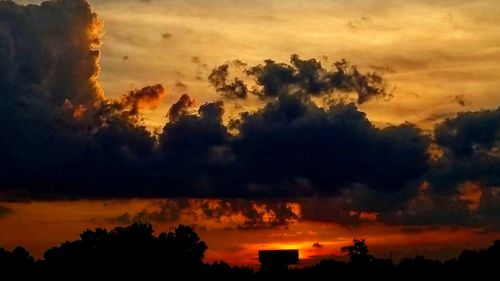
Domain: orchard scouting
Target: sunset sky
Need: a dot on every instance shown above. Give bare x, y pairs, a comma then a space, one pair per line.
242, 119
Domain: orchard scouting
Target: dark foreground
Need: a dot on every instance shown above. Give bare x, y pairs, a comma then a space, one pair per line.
133, 252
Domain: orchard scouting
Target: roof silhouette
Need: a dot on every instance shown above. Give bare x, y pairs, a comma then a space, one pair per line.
279, 257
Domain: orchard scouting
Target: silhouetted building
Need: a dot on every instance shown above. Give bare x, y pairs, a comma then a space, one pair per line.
277, 260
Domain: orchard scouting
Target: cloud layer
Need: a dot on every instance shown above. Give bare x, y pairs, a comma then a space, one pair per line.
60, 137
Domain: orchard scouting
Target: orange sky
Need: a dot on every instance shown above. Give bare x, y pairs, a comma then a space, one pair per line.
40, 225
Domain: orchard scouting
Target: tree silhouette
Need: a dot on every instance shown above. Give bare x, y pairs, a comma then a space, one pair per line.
18, 263
358, 252
129, 251
134, 252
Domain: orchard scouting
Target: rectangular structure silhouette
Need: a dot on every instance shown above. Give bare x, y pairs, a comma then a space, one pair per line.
278, 257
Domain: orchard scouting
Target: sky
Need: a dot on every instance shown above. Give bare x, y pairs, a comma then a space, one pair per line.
265, 124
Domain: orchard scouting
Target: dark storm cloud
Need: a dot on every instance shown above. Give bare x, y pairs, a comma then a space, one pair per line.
190, 138
463, 182
471, 151
470, 132
50, 51
460, 188
59, 135
434, 210
61, 138
49, 58
291, 147
236, 88
326, 148
421, 211
460, 203
299, 77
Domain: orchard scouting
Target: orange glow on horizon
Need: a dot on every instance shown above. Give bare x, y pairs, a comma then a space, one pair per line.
40, 225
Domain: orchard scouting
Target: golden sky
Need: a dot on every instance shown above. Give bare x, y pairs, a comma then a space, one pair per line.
430, 51
435, 54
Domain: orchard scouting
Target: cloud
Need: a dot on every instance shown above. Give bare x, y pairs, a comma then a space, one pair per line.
309, 77
461, 186
270, 215
468, 205
180, 86
180, 107
147, 97
5, 211
243, 214
298, 77
460, 99
38, 57
318, 245
163, 211
190, 139
470, 132
45, 64
326, 148
470, 144
236, 89
62, 138
57, 127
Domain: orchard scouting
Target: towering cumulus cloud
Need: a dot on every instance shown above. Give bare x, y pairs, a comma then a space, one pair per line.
56, 126
50, 52
48, 68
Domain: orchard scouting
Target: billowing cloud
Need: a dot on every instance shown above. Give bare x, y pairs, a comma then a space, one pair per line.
471, 150
299, 77
470, 132
147, 97
62, 137
230, 89
57, 128
39, 60
241, 214
326, 148
180, 107
49, 59
309, 77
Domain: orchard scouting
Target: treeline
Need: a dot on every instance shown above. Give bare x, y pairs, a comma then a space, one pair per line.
134, 252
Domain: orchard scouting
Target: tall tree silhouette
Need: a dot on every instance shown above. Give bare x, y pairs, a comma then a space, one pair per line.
358, 252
